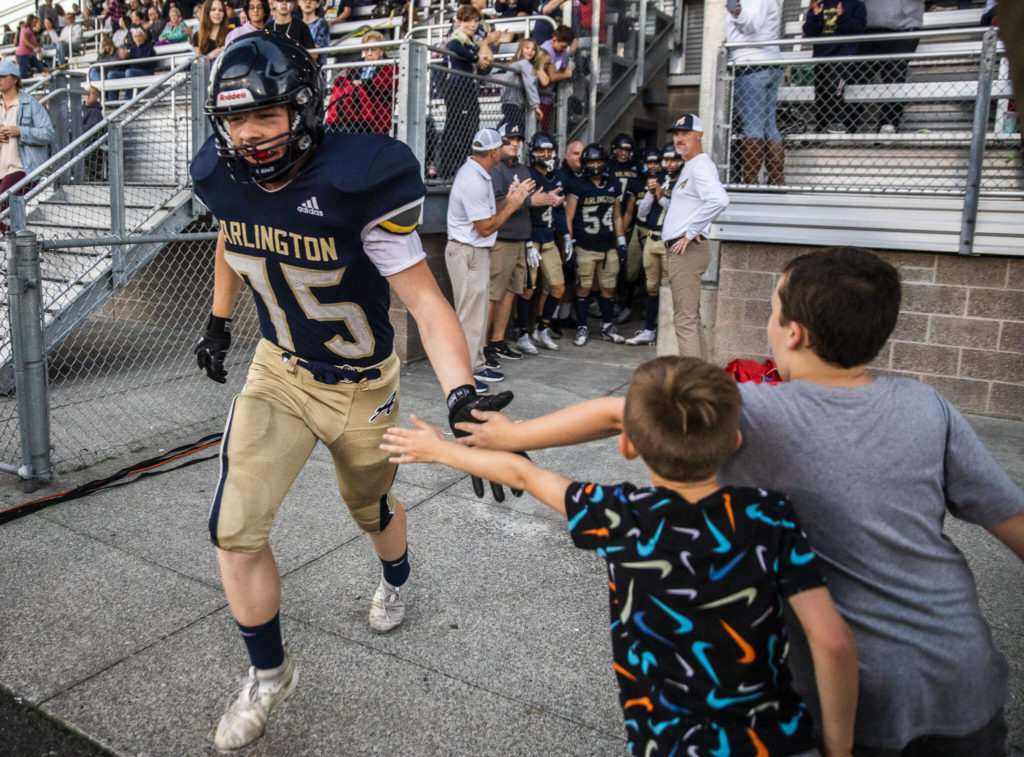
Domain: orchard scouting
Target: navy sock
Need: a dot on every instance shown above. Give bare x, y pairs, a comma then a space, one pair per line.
522, 313
607, 305
396, 572
651, 312
548, 311
266, 649
582, 308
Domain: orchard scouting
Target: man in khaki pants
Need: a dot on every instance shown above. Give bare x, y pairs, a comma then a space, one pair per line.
697, 199
473, 221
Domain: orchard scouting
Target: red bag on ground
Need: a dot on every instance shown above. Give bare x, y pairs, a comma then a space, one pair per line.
751, 370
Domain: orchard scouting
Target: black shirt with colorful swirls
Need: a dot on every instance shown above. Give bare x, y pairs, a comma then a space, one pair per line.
696, 595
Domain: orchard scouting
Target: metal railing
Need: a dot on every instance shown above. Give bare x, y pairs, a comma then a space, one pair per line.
937, 121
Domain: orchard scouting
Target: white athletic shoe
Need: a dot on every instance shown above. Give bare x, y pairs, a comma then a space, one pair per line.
387, 609
582, 334
543, 337
643, 336
525, 343
611, 334
245, 719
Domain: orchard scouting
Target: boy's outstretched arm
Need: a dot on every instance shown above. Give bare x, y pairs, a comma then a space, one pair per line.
1011, 533
835, 666
425, 444
583, 422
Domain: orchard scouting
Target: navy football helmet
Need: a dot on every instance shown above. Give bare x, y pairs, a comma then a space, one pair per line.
652, 156
623, 142
257, 71
594, 160
541, 140
671, 160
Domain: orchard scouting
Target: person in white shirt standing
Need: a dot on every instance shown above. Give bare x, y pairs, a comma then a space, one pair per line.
473, 221
756, 87
697, 199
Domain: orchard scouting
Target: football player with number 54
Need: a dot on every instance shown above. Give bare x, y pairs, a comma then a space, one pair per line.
319, 227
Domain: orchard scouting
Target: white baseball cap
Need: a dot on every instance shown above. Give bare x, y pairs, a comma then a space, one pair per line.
486, 139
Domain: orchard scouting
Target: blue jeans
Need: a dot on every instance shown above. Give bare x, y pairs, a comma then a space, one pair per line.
756, 93
28, 63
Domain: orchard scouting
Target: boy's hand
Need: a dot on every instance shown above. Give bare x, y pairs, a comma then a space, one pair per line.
420, 445
490, 430
463, 402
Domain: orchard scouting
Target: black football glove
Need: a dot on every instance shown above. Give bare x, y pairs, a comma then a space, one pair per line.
213, 348
461, 402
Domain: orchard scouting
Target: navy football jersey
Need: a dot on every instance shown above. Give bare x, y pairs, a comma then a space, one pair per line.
626, 177
543, 219
593, 226
656, 217
300, 249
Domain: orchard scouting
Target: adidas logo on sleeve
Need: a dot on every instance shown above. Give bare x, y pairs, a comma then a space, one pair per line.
310, 207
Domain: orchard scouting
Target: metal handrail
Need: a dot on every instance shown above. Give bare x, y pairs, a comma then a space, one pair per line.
58, 158
973, 31
493, 22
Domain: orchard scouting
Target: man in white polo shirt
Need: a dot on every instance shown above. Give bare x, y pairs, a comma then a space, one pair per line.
473, 221
697, 199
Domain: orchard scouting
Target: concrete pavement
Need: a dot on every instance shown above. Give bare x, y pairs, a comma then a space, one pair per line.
115, 626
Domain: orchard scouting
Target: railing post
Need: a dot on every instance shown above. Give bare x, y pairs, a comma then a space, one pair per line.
982, 103
115, 143
595, 69
721, 136
200, 125
75, 93
58, 113
641, 49
19, 213
28, 351
411, 107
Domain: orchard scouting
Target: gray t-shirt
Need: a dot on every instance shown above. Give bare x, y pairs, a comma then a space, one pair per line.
872, 471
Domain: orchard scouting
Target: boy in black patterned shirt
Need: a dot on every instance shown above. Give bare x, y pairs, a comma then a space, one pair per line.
697, 575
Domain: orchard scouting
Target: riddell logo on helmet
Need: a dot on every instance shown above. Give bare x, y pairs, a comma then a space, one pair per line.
235, 96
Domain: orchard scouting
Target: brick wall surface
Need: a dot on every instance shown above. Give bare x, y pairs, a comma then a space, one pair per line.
961, 325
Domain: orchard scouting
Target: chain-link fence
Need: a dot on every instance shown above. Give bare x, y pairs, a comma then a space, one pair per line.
127, 377
363, 96
908, 113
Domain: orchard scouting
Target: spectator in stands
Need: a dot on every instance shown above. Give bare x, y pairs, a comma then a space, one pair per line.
185, 7
154, 24
175, 31
379, 84
524, 79
141, 48
47, 11
543, 31
487, 36
87, 19
757, 87
61, 13
833, 18
111, 18
108, 54
256, 14
51, 41
92, 110
284, 23
70, 40
313, 17
121, 37
884, 18
25, 130
8, 36
559, 68
461, 93
213, 29
28, 49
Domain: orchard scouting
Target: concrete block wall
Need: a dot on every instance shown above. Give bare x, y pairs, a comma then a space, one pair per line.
961, 325
408, 344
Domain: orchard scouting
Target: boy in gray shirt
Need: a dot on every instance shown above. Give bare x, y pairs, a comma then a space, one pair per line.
872, 465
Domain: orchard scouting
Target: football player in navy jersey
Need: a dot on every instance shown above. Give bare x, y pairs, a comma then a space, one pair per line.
650, 217
541, 153
628, 175
320, 227
593, 212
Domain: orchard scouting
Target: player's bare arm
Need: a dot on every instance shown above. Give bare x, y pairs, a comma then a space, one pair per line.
570, 212
425, 444
1011, 533
226, 283
439, 327
584, 422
